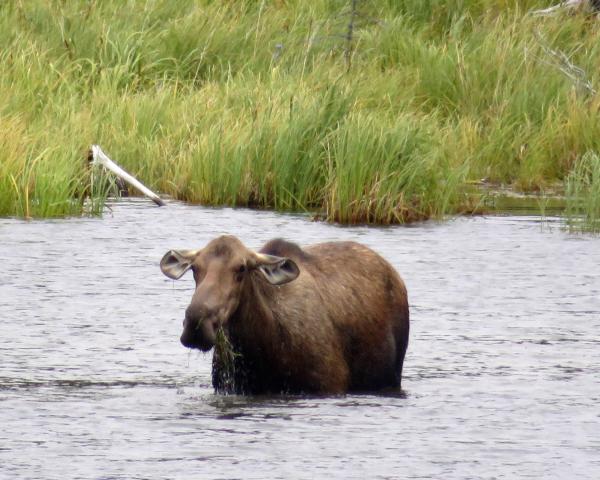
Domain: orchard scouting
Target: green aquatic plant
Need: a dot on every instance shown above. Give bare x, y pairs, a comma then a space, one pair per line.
583, 194
225, 357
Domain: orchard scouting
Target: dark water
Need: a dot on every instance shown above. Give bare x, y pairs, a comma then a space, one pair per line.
502, 375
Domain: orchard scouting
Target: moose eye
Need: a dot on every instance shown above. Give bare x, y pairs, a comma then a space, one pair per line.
240, 272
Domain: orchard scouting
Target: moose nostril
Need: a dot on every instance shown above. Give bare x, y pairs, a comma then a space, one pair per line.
189, 322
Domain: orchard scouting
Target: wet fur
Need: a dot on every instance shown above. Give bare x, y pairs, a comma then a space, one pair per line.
342, 325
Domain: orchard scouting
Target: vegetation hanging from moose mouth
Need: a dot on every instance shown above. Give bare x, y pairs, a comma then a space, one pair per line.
226, 356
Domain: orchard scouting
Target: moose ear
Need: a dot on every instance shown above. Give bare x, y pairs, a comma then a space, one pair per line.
176, 262
276, 270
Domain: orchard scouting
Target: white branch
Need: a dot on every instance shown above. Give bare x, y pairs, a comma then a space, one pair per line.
100, 158
564, 4
568, 68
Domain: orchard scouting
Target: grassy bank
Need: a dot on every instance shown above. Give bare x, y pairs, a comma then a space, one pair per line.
268, 104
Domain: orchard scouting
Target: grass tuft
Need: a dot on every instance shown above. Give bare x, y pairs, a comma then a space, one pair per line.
224, 362
583, 194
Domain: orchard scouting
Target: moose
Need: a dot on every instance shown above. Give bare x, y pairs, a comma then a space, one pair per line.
325, 319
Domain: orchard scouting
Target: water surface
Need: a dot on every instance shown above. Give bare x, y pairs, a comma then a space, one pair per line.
501, 379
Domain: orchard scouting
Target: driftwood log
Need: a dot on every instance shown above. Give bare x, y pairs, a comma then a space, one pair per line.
97, 157
569, 4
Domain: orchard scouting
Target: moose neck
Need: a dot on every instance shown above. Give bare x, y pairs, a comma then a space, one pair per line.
257, 339
256, 324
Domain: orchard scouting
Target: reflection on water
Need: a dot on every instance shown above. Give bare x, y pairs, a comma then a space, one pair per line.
502, 375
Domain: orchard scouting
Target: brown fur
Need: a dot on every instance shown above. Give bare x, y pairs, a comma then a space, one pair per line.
341, 325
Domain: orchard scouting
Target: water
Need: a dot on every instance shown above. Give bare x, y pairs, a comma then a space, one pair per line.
502, 375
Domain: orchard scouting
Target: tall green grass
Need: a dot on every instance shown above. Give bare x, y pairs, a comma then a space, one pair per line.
583, 194
256, 103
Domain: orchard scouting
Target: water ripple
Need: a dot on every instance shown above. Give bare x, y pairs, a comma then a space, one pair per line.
501, 378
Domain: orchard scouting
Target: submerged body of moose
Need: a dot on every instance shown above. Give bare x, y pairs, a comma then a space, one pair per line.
329, 318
